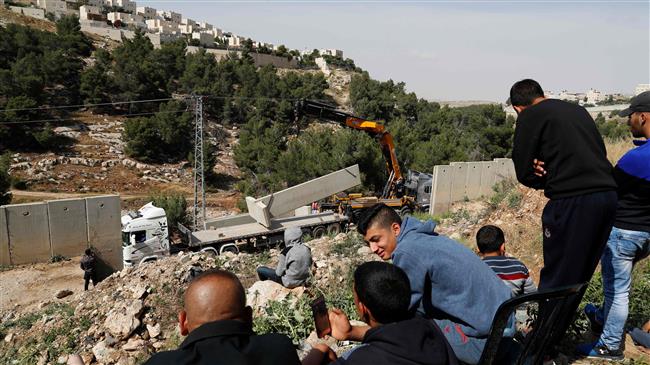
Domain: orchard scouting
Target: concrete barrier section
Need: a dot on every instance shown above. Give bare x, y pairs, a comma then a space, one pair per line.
29, 239
441, 189
506, 168
5, 259
67, 224
104, 231
488, 177
473, 180
458, 181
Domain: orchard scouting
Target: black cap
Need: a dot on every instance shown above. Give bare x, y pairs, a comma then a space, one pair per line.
639, 103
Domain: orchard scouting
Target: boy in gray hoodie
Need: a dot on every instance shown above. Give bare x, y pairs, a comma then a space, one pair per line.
294, 264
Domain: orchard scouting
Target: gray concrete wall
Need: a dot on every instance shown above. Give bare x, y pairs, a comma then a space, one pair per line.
104, 231
67, 223
29, 234
260, 59
4, 239
454, 182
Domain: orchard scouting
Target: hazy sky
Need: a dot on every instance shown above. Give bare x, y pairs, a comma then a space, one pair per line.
456, 50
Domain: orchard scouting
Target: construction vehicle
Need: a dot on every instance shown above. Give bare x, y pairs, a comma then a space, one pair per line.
404, 194
145, 233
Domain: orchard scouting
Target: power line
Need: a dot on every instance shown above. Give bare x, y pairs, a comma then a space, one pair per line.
86, 105
80, 120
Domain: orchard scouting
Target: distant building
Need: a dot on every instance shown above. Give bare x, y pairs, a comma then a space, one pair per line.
188, 21
641, 88
170, 16
594, 96
146, 12
88, 13
331, 52
205, 26
56, 7
204, 38
185, 28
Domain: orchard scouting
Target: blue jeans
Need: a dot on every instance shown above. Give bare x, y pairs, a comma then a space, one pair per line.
624, 248
266, 273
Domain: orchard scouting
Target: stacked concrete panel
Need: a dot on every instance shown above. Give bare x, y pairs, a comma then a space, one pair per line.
505, 168
67, 224
29, 234
458, 181
488, 177
104, 231
441, 189
473, 180
5, 259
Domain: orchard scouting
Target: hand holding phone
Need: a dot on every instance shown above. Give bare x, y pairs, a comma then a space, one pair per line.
321, 319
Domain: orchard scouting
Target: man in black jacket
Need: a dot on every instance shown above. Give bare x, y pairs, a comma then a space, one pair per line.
381, 296
87, 264
219, 328
558, 148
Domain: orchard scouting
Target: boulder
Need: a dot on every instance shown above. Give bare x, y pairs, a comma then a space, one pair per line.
154, 330
104, 354
262, 292
63, 293
133, 344
122, 320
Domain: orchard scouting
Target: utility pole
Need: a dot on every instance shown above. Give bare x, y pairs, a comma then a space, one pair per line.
199, 175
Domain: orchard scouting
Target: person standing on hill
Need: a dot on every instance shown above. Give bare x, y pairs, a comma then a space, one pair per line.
629, 241
88, 266
557, 148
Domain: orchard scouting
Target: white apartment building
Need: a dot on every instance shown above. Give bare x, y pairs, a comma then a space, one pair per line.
594, 96
89, 12
96, 3
331, 52
641, 88
127, 5
185, 28
146, 12
235, 41
205, 26
160, 26
57, 7
126, 18
170, 16
188, 21
204, 38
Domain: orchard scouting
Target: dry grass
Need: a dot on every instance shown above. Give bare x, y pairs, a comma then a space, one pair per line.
616, 149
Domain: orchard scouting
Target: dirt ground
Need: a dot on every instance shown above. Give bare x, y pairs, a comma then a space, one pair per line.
28, 286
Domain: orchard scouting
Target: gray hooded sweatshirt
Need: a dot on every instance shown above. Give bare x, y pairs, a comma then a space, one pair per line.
295, 259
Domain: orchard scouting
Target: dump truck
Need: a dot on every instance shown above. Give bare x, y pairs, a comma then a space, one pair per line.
145, 233
405, 194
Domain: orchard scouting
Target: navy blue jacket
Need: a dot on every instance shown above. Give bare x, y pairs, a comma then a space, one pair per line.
448, 281
632, 174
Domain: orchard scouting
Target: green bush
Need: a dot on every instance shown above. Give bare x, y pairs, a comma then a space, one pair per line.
175, 207
505, 190
5, 180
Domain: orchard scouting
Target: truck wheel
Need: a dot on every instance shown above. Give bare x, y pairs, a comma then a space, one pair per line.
318, 232
405, 211
333, 229
230, 248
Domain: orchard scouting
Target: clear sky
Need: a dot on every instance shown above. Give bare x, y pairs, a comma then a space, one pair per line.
456, 50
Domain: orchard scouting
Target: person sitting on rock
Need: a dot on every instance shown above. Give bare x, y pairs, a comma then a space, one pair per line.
491, 244
219, 328
395, 336
294, 263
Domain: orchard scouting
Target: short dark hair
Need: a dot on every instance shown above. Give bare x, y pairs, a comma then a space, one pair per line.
380, 214
489, 238
384, 289
88, 252
524, 92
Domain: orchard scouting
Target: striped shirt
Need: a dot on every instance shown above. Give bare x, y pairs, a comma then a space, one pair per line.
513, 272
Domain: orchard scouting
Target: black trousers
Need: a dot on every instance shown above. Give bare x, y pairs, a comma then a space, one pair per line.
87, 278
575, 231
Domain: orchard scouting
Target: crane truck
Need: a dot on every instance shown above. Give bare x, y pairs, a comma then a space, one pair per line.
405, 194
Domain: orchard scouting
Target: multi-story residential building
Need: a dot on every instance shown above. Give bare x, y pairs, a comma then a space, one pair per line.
128, 5
127, 18
185, 28
204, 38
641, 88
56, 7
235, 40
146, 12
89, 12
161, 26
205, 26
594, 96
170, 16
331, 52
188, 21
96, 3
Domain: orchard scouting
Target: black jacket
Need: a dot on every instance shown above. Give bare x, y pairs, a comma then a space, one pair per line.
565, 137
229, 342
632, 174
414, 341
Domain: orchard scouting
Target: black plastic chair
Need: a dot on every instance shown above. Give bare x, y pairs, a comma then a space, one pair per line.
556, 308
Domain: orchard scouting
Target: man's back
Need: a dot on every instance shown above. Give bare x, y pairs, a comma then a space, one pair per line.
513, 273
229, 342
565, 138
632, 174
462, 288
414, 341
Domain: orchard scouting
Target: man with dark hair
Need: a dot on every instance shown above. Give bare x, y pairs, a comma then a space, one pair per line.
394, 336
558, 148
492, 246
449, 283
219, 328
87, 264
629, 241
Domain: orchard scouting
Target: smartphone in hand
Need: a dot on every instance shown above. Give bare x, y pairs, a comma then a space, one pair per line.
321, 319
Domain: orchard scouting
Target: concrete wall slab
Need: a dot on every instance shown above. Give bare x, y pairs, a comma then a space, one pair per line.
441, 189
67, 223
458, 181
29, 235
473, 181
104, 232
5, 259
488, 176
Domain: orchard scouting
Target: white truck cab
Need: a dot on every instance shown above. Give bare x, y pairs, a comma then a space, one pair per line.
145, 235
